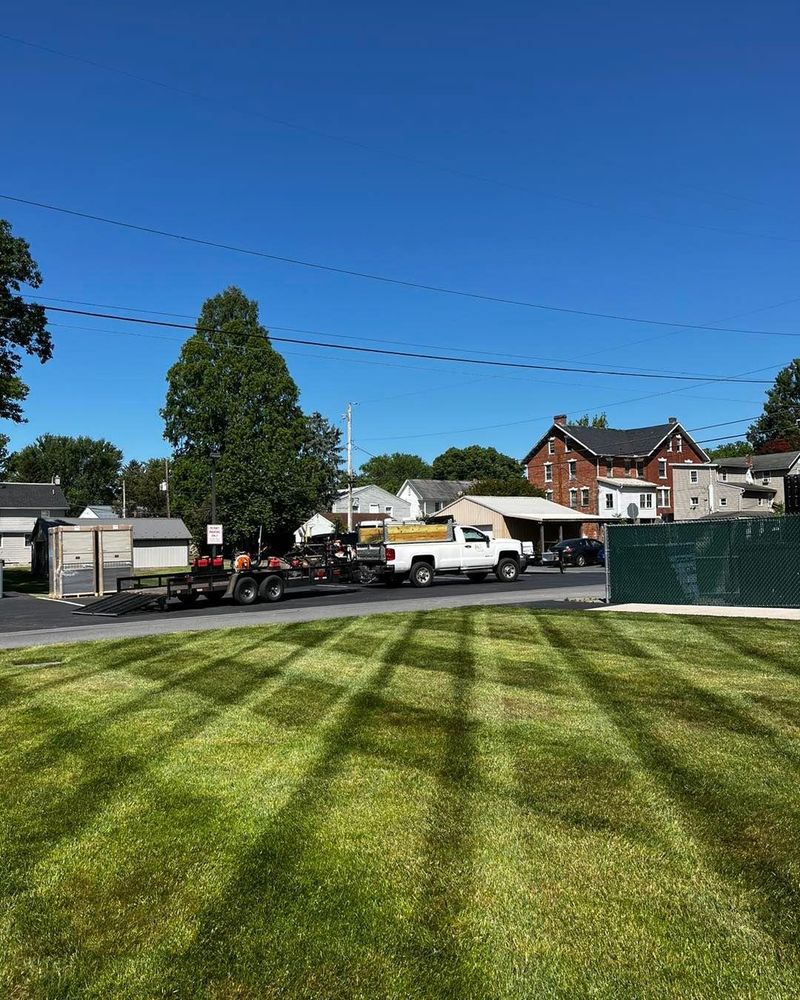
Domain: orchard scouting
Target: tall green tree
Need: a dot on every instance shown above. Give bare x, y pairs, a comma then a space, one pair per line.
23, 325
598, 420
778, 427
733, 449
143, 494
321, 459
476, 462
391, 471
3, 454
513, 487
89, 469
231, 391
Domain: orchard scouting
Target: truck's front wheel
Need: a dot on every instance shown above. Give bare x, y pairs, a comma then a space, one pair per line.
507, 570
421, 574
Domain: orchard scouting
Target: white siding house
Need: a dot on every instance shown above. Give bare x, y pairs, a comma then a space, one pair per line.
373, 500
429, 496
20, 506
635, 499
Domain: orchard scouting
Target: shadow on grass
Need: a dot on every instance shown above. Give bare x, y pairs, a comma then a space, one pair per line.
737, 638
732, 828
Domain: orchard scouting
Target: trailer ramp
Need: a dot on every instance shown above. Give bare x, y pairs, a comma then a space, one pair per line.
119, 604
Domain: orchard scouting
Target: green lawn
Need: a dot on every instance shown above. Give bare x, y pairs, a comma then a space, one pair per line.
482, 803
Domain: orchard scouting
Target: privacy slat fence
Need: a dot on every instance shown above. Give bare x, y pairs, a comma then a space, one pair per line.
752, 562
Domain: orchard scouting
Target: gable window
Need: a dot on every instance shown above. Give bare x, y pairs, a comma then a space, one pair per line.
693, 476
663, 497
646, 501
572, 468
694, 502
585, 496
551, 446
355, 506
374, 508
388, 510
669, 445
678, 443
548, 472
567, 444
723, 476
723, 501
610, 466
548, 495
640, 469
662, 468
609, 501
573, 498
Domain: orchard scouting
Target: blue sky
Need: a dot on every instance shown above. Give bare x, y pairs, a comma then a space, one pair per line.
623, 158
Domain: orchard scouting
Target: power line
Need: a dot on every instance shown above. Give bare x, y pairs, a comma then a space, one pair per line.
415, 354
384, 279
393, 153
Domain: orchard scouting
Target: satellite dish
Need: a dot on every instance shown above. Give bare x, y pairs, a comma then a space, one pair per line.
633, 511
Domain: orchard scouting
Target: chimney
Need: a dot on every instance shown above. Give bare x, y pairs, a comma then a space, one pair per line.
672, 420
560, 419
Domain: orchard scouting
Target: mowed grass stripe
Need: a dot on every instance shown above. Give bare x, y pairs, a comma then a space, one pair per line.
471, 803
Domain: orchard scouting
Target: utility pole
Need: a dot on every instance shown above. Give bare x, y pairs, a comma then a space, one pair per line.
166, 482
349, 418
124, 504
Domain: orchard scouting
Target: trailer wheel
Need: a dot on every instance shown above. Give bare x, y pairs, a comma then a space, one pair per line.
271, 589
188, 598
478, 577
245, 591
507, 570
421, 574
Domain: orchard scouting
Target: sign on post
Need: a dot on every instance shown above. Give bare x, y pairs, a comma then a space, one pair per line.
214, 534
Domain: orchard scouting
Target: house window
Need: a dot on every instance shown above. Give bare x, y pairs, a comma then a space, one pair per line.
760, 501
28, 541
374, 508
573, 499
663, 497
723, 476
388, 510
723, 501
585, 497
548, 472
646, 501
693, 476
572, 468
551, 446
694, 502
669, 445
678, 443
548, 495
438, 505
355, 506
628, 466
640, 469
767, 479
609, 466
567, 444
662, 468
609, 501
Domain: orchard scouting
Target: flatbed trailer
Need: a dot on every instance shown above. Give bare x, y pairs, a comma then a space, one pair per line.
246, 586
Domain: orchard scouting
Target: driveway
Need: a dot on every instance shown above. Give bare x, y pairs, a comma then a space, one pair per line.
32, 621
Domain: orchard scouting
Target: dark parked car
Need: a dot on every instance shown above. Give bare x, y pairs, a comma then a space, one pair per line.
574, 552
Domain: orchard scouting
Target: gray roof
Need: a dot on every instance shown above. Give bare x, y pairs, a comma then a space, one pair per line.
637, 441
731, 515
524, 508
621, 482
780, 461
145, 529
439, 489
44, 496
101, 510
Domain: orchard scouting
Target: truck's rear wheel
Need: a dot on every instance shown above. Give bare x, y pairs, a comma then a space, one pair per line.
421, 574
479, 576
271, 589
507, 570
245, 591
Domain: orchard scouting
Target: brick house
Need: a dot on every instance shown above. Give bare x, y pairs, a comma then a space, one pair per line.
601, 470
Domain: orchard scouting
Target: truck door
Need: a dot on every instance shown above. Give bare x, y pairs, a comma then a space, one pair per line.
476, 552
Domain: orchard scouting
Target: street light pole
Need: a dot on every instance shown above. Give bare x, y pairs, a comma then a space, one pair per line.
214, 455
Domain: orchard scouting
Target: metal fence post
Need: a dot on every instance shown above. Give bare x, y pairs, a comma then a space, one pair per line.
2, 564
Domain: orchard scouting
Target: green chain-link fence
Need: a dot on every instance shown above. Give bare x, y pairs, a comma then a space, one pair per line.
752, 562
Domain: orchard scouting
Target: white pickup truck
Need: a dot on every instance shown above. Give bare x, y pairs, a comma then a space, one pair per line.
464, 550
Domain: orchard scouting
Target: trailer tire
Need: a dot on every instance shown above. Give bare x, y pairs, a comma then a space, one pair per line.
271, 589
421, 574
507, 570
245, 591
188, 598
478, 577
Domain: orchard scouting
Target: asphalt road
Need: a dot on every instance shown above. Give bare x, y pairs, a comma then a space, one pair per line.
28, 621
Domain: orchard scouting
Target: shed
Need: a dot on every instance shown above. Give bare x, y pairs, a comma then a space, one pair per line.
528, 519
158, 542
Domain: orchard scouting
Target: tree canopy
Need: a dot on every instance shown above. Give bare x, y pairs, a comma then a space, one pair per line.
598, 420
89, 469
391, 471
778, 427
733, 449
475, 462
23, 325
509, 487
231, 391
